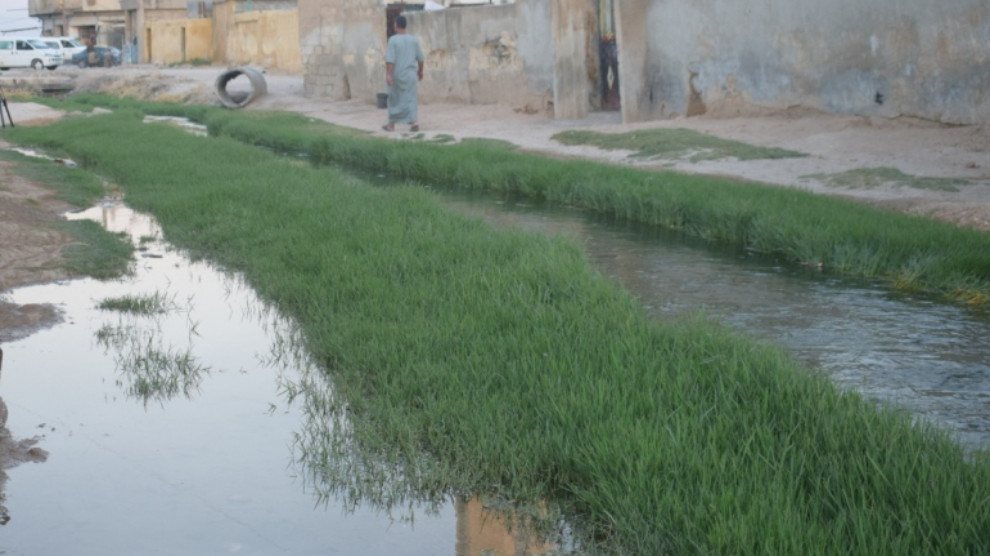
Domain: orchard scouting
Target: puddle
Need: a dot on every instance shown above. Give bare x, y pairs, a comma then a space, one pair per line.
38, 154
171, 432
182, 123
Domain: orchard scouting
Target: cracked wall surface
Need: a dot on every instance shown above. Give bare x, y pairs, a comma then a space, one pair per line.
871, 57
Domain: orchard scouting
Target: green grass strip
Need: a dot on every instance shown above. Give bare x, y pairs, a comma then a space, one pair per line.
908, 253
673, 144
489, 361
866, 178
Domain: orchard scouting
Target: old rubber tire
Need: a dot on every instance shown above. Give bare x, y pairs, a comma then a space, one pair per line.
82, 63
37, 64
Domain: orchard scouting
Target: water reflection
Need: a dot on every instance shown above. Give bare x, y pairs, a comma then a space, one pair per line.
930, 358
331, 462
13, 452
217, 458
149, 369
484, 529
182, 123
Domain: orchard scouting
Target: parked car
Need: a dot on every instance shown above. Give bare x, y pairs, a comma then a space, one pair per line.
68, 46
27, 53
102, 56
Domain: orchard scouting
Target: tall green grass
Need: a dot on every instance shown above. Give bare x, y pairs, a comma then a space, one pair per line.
477, 361
906, 252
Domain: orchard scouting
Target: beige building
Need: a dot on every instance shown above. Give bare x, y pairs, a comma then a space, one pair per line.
226, 32
111, 22
138, 13
101, 21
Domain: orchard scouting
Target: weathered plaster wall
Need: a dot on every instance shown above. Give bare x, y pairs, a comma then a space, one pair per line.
268, 38
488, 55
872, 57
179, 40
497, 54
223, 21
342, 48
575, 58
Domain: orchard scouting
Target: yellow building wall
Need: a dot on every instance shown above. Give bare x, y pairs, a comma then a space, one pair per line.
263, 38
178, 40
223, 24
257, 38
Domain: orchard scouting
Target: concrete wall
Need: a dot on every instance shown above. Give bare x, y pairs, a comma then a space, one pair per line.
223, 22
139, 12
872, 57
488, 55
342, 48
263, 38
256, 38
575, 58
179, 40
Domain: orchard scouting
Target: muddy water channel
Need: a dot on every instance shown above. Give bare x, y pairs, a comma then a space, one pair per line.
929, 358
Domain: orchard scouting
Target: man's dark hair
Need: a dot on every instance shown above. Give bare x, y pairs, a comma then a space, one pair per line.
400, 22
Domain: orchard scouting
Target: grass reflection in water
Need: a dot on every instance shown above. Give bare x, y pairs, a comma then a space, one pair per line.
149, 369
336, 467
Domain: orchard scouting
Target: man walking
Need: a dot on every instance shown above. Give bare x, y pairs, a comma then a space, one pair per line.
403, 72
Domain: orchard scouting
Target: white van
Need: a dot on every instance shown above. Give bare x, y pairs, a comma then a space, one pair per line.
27, 53
66, 45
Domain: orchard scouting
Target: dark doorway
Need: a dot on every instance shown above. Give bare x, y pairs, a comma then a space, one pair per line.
393, 11
609, 55
87, 33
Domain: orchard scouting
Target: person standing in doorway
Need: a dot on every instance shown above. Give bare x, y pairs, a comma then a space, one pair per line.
403, 72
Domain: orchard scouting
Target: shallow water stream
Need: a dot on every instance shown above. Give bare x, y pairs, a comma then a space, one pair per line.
930, 358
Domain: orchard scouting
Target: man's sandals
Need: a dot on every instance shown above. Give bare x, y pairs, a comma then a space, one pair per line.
391, 127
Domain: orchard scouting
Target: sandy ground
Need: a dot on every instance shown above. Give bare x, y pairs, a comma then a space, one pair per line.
835, 144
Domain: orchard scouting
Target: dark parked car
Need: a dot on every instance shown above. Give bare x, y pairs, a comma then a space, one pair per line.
102, 56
